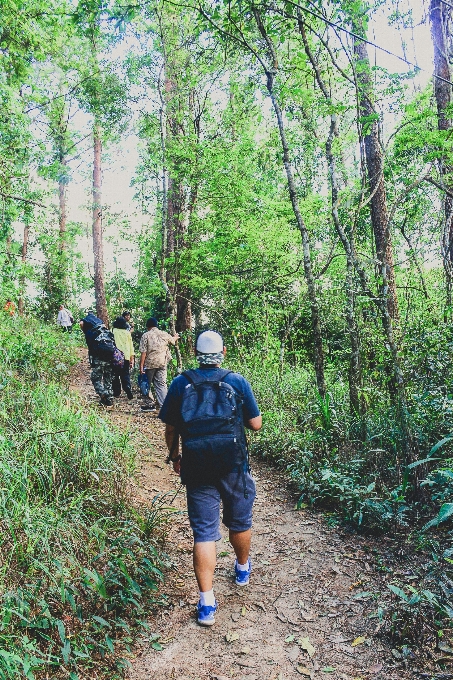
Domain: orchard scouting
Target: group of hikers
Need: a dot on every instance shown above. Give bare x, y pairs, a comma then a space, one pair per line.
205, 412
112, 358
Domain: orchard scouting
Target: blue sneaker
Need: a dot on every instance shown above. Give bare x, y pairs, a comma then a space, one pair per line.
242, 577
206, 614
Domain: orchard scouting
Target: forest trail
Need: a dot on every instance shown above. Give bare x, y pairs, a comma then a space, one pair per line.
304, 592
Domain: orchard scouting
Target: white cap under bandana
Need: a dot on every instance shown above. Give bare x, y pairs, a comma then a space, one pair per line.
209, 342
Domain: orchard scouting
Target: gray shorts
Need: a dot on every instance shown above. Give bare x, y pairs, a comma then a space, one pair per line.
203, 506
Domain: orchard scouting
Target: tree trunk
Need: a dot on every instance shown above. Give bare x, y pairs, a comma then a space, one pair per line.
62, 212
440, 19
308, 270
167, 208
375, 171
20, 302
98, 250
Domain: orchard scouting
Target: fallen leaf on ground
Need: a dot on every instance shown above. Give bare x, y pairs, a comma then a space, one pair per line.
290, 638
243, 611
375, 668
231, 636
358, 641
328, 669
305, 643
444, 647
303, 670
245, 650
260, 605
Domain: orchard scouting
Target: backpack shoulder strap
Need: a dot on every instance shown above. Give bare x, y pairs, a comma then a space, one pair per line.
196, 379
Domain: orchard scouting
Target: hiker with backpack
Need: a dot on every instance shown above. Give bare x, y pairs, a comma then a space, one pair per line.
154, 357
123, 341
209, 408
101, 353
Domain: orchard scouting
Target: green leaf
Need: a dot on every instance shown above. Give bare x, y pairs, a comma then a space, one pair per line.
66, 651
363, 595
440, 444
445, 512
61, 630
109, 643
398, 592
102, 621
421, 462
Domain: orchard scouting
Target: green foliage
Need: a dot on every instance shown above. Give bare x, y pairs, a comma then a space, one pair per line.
79, 564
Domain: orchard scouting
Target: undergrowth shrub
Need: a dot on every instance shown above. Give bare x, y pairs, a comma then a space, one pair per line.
79, 566
356, 469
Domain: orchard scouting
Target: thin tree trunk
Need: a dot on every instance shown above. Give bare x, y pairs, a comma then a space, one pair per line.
168, 242
375, 171
308, 270
20, 302
98, 249
62, 212
440, 18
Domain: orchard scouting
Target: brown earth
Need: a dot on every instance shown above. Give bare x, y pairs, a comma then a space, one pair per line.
307, 612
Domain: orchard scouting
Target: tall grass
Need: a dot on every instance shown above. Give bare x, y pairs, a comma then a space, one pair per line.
77, 563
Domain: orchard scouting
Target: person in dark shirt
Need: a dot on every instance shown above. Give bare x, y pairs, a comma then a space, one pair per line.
101, 370
235, 488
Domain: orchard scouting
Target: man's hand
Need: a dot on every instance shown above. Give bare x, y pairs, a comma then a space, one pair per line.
173, 447
142, 362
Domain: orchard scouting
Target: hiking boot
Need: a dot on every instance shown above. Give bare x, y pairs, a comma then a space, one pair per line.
242, 577
130, 395
206, 614
148, 407
106, 401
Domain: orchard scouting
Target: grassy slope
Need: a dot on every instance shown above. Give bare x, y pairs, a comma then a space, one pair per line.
77, 562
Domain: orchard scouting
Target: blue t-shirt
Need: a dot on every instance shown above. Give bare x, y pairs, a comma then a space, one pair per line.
170, 412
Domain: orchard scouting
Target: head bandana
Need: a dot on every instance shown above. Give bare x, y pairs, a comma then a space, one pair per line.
210, 358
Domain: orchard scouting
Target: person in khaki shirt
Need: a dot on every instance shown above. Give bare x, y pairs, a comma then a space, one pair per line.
154, 357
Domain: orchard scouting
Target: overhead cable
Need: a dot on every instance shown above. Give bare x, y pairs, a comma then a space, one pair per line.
368, 42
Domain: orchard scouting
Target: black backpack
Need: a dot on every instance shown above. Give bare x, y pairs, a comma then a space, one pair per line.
101, 343
212, 430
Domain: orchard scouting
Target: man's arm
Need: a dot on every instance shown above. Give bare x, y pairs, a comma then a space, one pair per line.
170, 338
254, 423
172, 441
142, 362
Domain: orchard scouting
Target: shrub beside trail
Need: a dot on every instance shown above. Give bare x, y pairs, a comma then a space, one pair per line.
78, 564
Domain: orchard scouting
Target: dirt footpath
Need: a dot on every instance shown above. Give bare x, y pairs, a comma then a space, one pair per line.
307, 612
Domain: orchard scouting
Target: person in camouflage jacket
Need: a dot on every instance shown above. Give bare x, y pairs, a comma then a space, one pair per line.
101, 370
